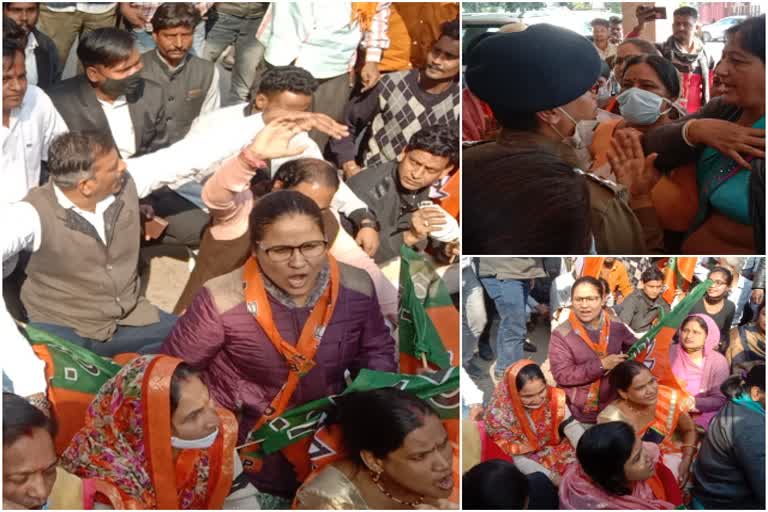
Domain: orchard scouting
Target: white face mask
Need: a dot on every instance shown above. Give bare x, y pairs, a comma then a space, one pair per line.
188, 444
641, 107
582, 136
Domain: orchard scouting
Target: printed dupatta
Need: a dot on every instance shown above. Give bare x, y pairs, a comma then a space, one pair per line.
530, 432
126, 441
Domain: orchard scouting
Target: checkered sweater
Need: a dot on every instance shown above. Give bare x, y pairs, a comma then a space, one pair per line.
395, 109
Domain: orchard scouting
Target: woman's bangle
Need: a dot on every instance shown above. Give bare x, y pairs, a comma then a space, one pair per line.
685, 132
691, 446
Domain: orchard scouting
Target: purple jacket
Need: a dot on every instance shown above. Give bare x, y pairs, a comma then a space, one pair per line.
244, 372
575, 366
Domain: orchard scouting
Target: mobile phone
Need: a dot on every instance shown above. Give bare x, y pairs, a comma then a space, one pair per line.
154, 228
660, 13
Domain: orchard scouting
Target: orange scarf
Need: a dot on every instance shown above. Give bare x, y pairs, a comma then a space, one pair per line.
600, 349
299, 358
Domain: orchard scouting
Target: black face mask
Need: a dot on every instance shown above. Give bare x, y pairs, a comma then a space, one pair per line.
127, 86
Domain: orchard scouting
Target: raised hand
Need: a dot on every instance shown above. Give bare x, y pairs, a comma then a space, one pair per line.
273, 141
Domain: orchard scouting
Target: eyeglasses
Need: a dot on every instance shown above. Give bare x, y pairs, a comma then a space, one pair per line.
283, 253
718, 283
586, 300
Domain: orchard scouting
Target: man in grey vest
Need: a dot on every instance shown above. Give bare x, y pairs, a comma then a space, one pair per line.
191, 87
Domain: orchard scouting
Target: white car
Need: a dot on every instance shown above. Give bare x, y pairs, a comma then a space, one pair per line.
716, 31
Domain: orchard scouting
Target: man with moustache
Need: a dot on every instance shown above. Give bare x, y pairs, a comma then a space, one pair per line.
689, 56
42, 58
401, 104
394, 190
583, 349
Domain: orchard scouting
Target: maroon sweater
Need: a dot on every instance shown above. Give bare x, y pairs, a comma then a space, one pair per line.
575, 366
243, 371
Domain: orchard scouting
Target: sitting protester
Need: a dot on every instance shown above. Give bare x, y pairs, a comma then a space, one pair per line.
747, 345
617, 471
730, 469
525, 419
154, 432
644, 306
398, 456
32, 479
585, 348
83, 230
700, 367
715, 303
498, 485
232, 190
656, 413
255, 333
394, 192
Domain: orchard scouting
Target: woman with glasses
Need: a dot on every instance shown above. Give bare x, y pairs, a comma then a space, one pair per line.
583, 349
715, 303
283, 329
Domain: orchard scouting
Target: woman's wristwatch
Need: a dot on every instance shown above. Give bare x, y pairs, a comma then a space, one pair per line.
369, 223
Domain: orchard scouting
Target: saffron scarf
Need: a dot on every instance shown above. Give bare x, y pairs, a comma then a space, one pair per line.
600, 349
126, 441
298, 358
534, 433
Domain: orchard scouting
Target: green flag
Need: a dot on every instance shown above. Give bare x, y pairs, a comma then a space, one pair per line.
440, 389
428, 320
74, 368
671, 320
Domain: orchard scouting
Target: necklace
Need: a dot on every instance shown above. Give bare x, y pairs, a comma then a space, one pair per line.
376, 478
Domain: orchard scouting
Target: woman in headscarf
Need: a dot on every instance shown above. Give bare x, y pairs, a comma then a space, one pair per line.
617, 471
699, 367
524, 420
153, 432
747, 346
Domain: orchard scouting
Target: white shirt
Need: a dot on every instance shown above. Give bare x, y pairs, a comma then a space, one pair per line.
94, 218
30, 60
31, 128
25, 232
89, 7
320, 36
20, 364
121, 125
219, 135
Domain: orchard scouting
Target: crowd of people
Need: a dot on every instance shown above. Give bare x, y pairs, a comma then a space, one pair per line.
598, 421
295, 152
614, 146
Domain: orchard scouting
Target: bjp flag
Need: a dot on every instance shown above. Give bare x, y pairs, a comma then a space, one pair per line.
428, 329
654, 347
592, 266
678, 275
74, 375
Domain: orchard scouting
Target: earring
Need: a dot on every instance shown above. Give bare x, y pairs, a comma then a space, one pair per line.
376, 476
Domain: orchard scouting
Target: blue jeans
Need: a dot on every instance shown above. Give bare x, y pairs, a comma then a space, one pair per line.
473, 315
146, 339
227, 30
144, 41
510, 296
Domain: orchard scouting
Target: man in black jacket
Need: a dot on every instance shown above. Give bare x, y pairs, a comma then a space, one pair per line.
112, 97
42, 58
395, 190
